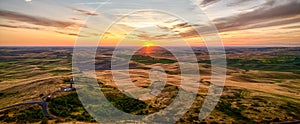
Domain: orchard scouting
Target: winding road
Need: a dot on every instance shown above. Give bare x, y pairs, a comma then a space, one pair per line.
42, 103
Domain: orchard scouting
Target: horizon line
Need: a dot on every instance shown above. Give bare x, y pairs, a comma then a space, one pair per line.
156, 46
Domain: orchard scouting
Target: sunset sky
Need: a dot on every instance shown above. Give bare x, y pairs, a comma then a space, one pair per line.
62, 22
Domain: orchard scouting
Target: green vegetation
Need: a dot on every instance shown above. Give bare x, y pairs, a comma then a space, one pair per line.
274, 64
28, 115
127, 104
30, 67
69, 106
148, 60
20, 63
245, 108
281, 64
121, 101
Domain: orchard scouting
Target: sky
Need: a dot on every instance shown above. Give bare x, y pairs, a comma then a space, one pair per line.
155, 22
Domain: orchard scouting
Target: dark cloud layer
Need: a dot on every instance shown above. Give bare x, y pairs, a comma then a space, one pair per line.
146, 36
24, 27
292, 27
35, 28
264, 16
85, 12
71, 34
190, 29
208, 2
41, 21
238, 2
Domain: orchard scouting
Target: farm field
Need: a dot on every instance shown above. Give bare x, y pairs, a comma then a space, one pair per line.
262, 84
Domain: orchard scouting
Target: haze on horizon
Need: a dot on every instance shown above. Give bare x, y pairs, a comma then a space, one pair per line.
58, 22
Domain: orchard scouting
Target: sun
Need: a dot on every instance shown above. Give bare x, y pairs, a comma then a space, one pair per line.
148, 44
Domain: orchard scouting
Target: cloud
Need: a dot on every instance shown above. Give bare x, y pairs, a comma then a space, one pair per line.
292, 27
182, 25
264, 16
24, 27
238, 2
273, 23
41, 21
269, 14
174, 26
35, 28
93, 3
146, 36
71, 34
38, 21
184, 29
75, 19
85, 12
208, 2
